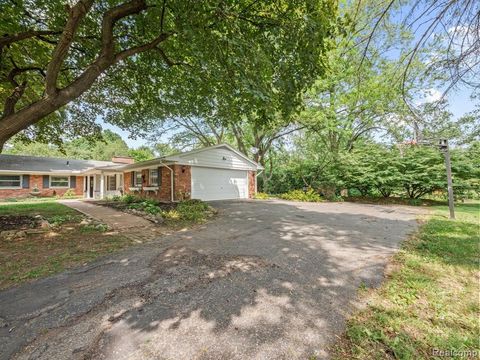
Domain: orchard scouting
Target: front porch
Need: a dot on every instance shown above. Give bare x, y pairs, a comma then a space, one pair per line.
100, 184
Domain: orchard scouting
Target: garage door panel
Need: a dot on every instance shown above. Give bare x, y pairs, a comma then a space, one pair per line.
219, 184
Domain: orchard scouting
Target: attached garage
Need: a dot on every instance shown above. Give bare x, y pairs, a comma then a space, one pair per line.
217, 172
219, 184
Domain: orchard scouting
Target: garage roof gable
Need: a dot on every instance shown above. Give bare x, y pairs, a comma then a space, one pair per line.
219, 156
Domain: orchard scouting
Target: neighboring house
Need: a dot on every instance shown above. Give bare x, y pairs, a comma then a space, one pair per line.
213, 173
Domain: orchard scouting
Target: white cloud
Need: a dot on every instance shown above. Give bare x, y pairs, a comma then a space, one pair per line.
432, 95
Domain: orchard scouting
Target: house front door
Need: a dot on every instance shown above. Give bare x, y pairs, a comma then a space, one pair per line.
90, 190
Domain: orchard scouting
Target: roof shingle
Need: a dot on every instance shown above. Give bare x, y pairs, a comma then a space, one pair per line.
23, 163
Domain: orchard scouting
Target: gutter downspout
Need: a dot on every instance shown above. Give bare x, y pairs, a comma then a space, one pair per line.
171, 181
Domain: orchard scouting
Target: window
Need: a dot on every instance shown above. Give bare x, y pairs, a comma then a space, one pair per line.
111, 182
154, 177
59, 181
10, 181
138, 178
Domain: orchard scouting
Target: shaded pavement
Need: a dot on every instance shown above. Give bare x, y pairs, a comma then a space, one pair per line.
264, 280
114, 219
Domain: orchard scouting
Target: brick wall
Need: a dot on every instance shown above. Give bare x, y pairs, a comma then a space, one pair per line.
251, 183
164, 193
37, 181
182, 183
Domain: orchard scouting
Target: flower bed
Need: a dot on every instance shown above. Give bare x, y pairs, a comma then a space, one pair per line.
194, 211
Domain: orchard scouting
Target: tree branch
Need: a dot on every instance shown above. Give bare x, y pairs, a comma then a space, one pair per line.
17, 71
167, 60
9, 39
76, 14
12, 122
163, 15
11, 101
141, 48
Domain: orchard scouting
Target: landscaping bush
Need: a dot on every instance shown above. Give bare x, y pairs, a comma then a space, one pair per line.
151, 208
92, 228
374, 170
189, 210
69, 194
171, 215
129, 198
298, 195
192, 210
262, 196
147, 205
57, 220
186, 210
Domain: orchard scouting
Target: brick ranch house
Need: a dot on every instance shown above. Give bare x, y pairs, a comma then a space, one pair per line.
213, 173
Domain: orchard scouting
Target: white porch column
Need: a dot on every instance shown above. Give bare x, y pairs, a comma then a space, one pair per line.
88, 187
102, 185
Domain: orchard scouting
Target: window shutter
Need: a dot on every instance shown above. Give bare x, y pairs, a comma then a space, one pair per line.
46, 181
159, 176
73, 182
25, 181
133, 175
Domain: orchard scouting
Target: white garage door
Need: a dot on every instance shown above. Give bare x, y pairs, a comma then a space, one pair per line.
219, 184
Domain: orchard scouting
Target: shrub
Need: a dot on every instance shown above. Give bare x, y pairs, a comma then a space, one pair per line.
147, 205
190, 210
298, 195
60, 219
90, 228
150, 208
136, 206
187, 210
335, 198
262, 196
69, 194
171, 215
129, 198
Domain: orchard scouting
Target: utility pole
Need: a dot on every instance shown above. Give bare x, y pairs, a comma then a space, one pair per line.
443, 144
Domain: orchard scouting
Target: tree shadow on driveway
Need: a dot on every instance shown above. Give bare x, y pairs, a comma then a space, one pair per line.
264, 280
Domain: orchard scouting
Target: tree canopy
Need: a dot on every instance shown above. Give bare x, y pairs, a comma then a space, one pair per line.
108, 145
131, 61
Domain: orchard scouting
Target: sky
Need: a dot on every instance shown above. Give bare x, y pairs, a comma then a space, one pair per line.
125, 134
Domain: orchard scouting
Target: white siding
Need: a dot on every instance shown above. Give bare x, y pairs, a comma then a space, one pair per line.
217, 158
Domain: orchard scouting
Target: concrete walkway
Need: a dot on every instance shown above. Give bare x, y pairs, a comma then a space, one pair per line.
114, 219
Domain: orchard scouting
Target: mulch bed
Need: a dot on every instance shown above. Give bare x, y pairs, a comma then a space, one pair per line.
119, 205
17, 222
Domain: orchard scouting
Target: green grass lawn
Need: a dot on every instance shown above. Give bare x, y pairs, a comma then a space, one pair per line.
46, 209
430, 299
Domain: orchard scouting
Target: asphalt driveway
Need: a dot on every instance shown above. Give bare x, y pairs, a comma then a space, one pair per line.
265, 280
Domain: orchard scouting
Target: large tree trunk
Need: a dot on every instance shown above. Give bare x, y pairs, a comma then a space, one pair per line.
16, 122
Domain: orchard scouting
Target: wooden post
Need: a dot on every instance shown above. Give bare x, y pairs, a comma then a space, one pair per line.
446, 153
